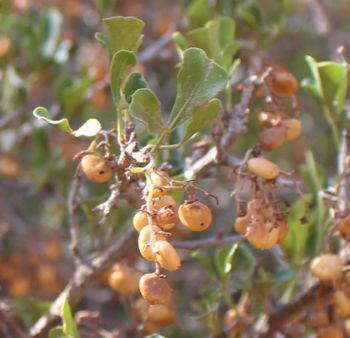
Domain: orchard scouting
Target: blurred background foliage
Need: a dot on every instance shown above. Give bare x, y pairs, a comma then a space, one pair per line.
49, 57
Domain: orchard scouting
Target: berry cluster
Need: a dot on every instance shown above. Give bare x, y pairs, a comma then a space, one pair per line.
326, 313
154, 220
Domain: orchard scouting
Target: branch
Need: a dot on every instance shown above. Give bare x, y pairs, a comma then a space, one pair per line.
82, 279
285, 314
206, 242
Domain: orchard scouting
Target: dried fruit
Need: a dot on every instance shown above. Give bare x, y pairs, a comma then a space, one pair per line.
155, 289
272, 138
292, 128
164, 201
158, 179
161, 314
341, 303
145, 238
344, 226
262, 235
195, 215
241, 224
123, 279
327, 267
167, 256
263, 168
141, 307
96, 168
140, 220
282, 83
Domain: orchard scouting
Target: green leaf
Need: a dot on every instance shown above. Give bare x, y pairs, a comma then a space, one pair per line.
223, 258
328, 84
50, 32
123, 33
89, 129
200, 11
145, 107
205, 260
180, 41
155, 335
69, 327
135, 81
217, 39
199, 80
101, 38
121, 61
202, 116
57, 332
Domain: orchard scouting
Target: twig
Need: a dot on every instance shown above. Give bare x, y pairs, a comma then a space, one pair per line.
207, 242
285, 314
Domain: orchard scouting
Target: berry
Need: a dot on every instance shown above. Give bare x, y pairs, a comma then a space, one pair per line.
96, 168
167, 256
282, 83
327, 267
344, 226
5, 46
283, 229
140, 220
164, 201
155, 289
161, 314
263, 168
292, 128
330, 331
262, 235
123, 279
195, 215
158, 179
167, 218
241, 224
341, 303
145, 238
141, 307
271, 138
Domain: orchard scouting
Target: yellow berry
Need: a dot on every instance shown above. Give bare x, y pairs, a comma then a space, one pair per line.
96, 168
161, 314
140, 220
263, 168
145, 238
341, 303
155, 289
195, 215
123, 279
241, 224
262, 235
167, 256
327, 267
271, 138
292, 128
282, 83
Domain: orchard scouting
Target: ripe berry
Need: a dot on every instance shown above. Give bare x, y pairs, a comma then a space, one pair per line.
155, 289
263, 168
167, 218
344, 226
283, 229
330, 331
262, 235
282, 83
159, 179
141, 307
292, 128
123, 279
195, 215
5, 46
164, 201
271, 138
327, 267
341, 303
241, 224
140, 220
144, 240
96, 168
161, 314
167, 256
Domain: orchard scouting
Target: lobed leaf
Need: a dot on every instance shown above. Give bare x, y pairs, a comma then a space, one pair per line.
199, 80
145, 107
123, 33
89, 129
